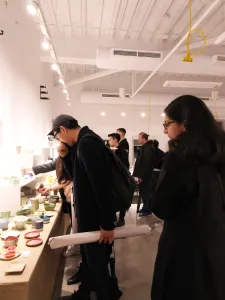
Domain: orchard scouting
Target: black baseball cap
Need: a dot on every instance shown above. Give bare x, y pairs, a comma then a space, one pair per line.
63, 120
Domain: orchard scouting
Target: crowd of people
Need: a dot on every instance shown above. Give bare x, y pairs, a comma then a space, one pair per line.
184, 187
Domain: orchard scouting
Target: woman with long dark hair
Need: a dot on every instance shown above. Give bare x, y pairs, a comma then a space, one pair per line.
190, 198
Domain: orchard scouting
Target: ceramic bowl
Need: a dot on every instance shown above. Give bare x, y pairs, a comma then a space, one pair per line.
10, 241
20, 222
49, 206
41, 199
4, 224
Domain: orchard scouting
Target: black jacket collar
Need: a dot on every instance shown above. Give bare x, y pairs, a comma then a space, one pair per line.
84, 130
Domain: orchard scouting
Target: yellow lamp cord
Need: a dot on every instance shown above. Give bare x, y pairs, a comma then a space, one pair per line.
188, 57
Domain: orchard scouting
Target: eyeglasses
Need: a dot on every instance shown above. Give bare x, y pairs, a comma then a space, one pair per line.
167, 124
55, 134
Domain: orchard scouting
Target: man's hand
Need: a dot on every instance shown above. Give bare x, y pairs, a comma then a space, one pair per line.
62, 150
106, 236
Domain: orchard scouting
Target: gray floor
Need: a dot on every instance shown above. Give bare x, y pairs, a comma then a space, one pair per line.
135, 259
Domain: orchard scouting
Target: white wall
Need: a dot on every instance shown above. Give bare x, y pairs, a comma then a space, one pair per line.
24, 118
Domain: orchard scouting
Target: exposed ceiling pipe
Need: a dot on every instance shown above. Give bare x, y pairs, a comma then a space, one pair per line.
202, 18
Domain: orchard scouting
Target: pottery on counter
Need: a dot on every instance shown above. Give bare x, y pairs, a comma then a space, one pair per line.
53, 199
49, 206
5, 214
23, 212
20, 222
35, 203
10, 241
4, 223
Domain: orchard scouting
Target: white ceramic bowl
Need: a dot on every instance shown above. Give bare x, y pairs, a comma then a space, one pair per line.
20, 222
4, 224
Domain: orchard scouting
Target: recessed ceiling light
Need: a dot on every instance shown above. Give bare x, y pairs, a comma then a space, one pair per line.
54, 67
123, 114
163, 114
31, 9
65, 91
46, 45
143, 115
102, 114
61, 80
69, 103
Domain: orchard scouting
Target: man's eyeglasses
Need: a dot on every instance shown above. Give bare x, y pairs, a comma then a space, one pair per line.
166, 125
55, 134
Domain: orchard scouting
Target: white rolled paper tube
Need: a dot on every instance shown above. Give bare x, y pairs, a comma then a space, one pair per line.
92, 237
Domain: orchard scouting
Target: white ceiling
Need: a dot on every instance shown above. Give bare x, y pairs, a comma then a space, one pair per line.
78, 27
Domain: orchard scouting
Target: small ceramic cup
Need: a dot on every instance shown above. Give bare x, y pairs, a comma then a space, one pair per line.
5, 214
39, 224
35, 204
4, 223
34, 219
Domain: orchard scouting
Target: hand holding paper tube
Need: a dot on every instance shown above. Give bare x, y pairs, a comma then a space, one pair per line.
91, 237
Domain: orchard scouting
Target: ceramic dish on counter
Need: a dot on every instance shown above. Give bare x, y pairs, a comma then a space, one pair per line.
10, 241
53, 199
20, 222
9, 254
49, 206
5, 234
4, 223
5, 214
34, 242
32, 218
31, 235
23, 212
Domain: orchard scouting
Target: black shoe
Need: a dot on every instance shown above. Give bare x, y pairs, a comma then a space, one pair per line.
120, 223
75, 278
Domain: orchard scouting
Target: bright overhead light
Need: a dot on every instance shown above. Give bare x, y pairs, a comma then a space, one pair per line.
220, 39
32, 10
65, 91
46, 45
54, 67
192, 84
69, 103
61, 80
143, 115
163, 114
123, 114
102, 114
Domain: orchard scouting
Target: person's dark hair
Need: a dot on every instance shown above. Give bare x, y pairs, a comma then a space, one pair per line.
203, 140
61, 174
123, 130
144, 135
115, 136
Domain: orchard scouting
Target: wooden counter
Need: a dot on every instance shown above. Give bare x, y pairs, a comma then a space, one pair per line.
37, 280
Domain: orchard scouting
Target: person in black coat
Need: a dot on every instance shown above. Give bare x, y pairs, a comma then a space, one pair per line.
123, 141
143, 170
94, 208
114, 139
190, 198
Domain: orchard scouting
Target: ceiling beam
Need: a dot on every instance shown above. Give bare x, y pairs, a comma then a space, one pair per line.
92, 77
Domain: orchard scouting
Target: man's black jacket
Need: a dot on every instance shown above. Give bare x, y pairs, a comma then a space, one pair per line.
91, 169
123, 156
145, 162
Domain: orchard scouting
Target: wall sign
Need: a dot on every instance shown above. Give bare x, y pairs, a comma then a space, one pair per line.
43, 93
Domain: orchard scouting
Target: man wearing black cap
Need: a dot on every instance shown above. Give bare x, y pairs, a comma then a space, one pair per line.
91, 170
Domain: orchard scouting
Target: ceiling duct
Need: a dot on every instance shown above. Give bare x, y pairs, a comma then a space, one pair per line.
127, 59
218, 59
113, 95
191, 84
